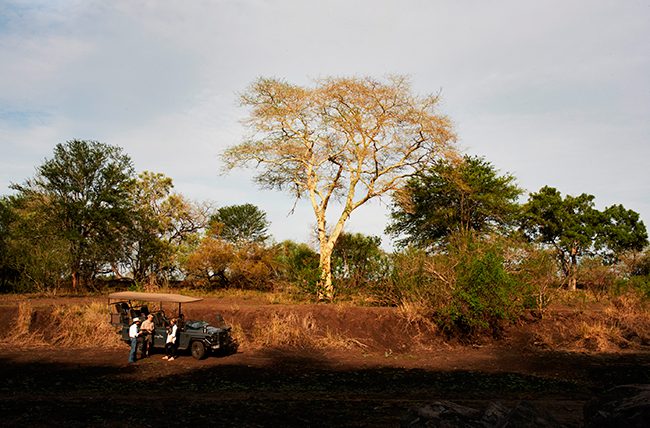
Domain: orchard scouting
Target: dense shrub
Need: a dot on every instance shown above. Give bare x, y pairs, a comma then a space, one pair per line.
415, 278
358, 263
297, 264
217, 263
484, 297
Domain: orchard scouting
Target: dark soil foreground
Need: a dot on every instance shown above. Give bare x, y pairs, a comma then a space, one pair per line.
371, 386
49, 387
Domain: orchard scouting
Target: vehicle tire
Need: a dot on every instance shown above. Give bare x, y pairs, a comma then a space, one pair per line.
198, 350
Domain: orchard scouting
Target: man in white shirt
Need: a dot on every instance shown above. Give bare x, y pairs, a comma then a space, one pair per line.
134, 332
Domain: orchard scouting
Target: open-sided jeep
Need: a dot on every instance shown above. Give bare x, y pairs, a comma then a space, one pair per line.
200, 337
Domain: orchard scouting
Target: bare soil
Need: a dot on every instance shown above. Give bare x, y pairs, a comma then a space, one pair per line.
394, 370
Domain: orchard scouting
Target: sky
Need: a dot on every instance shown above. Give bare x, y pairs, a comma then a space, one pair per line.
553, 92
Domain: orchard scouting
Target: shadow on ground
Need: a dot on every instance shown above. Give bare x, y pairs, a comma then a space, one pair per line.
279, 388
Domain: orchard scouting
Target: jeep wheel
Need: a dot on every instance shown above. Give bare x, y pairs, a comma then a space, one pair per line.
198, 350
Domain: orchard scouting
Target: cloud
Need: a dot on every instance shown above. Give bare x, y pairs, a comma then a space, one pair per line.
555, 92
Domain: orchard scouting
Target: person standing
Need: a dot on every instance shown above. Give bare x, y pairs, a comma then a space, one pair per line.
172, 340
134, 332
147, 330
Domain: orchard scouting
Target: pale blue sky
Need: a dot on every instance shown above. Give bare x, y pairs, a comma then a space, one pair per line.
555, 92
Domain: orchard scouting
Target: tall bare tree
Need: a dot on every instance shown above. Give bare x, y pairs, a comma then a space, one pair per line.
350, 139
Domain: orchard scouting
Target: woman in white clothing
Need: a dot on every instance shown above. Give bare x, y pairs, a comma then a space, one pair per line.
172, 341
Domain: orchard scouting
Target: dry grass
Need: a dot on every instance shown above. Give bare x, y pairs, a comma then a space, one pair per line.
293, 331
84, 326
598, 336
22, 333
284, 331
624, 323
76, 326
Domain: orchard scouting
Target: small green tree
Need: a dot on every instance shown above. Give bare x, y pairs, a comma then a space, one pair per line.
33, 257
357, 260
574, 228
450, 197
485, 294
298, 265
241, 224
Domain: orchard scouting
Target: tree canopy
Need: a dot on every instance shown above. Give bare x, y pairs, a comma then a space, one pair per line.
241, 224
574, 227
452, 196
83, 192
350, 139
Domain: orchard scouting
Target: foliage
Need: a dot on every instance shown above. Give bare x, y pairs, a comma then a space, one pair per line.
217, 263
82, 194
357, 262
595, 277
351, 139
9, 273
208, 264
535, 269
241, 224
417, 282
297, 264
621, 231
37, 257
485, 295
453, 197
163, 224
574, 228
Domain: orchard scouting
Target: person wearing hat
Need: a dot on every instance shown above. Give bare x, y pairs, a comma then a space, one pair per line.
134, 332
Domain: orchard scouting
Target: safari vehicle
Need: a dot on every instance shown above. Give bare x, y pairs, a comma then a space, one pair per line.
200, 337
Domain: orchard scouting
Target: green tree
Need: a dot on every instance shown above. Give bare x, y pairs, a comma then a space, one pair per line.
574, 228
297, 264
163, 223
83, 191
567, 224
357, 260
448, 197
347, 139
241, 224
621, 231
35, 257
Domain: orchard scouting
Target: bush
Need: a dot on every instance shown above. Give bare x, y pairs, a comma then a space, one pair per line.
298, 264
485, 296
358, 263
595, 277
416, 280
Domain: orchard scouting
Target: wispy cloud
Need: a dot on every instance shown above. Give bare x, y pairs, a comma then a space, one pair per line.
555, 92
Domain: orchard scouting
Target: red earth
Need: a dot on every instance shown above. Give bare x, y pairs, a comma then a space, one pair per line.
393, 369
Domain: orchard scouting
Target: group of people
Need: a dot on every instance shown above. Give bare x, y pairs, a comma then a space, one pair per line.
143, 331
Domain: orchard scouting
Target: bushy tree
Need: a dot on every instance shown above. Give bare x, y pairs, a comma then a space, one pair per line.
621, 231
82, 193
297, 264
358, 260
241, 224
351, 139
33, 256
164, 223
453, 196
573, 227
217, 263
485, 294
